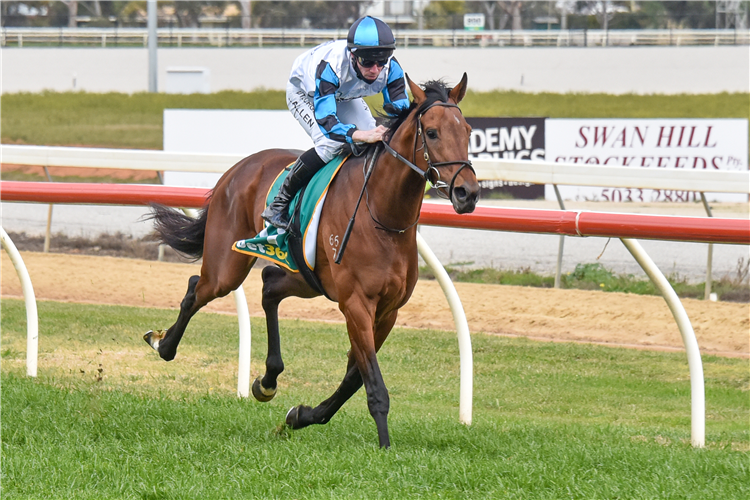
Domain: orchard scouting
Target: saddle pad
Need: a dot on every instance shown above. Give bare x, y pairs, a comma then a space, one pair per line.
272, 243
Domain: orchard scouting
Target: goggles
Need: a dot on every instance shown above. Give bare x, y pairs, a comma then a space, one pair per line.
369, 64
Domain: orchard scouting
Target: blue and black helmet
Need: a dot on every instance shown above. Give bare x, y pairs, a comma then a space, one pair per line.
370, 38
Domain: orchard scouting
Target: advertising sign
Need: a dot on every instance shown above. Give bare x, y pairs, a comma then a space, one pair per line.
474, 22
698, 144
249, 131
230, 131
509, 138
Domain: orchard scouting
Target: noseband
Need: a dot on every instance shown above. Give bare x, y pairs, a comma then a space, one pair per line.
431, 167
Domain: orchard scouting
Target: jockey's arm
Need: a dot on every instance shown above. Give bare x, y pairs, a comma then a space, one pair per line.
324, 102
394, 96
394, 93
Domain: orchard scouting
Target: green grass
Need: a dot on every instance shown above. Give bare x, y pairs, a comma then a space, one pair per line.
135, 121
38, 175
107, 419
110, 120
594, 276
497, 103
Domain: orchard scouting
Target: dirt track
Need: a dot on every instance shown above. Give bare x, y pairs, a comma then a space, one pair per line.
567, 315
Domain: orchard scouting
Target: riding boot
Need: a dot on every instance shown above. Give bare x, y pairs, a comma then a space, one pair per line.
277, 213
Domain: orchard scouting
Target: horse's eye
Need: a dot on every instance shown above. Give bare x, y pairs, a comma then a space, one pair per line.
432, 133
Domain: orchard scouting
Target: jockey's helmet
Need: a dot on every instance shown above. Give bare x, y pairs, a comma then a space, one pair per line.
371, 39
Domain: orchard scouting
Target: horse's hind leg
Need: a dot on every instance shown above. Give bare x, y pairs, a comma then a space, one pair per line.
216, 280
277, 285
166, 342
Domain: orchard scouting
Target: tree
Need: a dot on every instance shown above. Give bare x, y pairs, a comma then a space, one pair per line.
489, 8
246, 8
187, 13
444, 15
300, 14
604, 12
27, 13
72, 13
565, 7
698, 15
513, 11
94, 8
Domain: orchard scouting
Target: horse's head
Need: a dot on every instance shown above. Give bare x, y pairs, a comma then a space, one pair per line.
441, 144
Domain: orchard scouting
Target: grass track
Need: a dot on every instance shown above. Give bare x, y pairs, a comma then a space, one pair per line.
550, 420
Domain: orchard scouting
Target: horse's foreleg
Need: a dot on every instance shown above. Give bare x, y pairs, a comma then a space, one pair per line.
364, 348
277, 285
377, 395
302, 416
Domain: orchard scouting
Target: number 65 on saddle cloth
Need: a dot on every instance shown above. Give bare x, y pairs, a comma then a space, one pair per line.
273, 244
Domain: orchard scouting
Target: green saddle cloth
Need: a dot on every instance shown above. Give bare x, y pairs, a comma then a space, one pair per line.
273, 244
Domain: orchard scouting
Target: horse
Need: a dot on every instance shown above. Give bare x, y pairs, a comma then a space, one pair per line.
380, 270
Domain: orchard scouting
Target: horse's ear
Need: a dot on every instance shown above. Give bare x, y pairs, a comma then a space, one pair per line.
459, 91
416, 90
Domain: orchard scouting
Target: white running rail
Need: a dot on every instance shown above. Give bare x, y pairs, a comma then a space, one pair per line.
508, 170
32, 317
537, 172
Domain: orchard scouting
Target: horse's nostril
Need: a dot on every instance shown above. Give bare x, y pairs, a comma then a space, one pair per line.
460, 193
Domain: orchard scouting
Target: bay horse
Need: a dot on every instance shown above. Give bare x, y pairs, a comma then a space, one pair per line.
427, 141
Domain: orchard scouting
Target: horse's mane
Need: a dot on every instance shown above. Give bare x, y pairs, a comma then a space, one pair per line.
435, 90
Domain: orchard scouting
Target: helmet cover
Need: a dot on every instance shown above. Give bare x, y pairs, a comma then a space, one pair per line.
371, 36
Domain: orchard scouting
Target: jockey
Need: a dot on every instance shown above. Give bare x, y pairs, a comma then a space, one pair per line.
325, 92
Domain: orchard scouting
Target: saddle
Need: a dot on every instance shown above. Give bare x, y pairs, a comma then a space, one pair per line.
295, 249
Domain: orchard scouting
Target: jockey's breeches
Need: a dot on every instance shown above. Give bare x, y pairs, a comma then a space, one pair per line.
354, 111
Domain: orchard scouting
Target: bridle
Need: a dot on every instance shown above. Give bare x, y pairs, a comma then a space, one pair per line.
425, 174
438, 184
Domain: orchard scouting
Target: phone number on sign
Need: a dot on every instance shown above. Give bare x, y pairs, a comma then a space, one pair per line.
649, 195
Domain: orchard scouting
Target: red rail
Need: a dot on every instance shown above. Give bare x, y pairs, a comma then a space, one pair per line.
616, 225
102, 194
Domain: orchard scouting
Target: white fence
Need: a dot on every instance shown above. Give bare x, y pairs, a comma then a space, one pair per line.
228, 37
510, 170
537, 172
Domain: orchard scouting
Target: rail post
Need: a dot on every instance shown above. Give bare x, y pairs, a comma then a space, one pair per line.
561, 245
32, 317
243, 367
48, 230
695, 365
466, 394
709, 263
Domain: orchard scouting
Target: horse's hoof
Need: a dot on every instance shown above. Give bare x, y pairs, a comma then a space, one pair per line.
261, 393
292, 417
153, 338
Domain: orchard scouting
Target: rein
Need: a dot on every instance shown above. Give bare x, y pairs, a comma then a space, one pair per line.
425, 174
380, 225
431, 167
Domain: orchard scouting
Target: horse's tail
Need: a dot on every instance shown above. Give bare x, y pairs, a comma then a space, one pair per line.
183, 233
